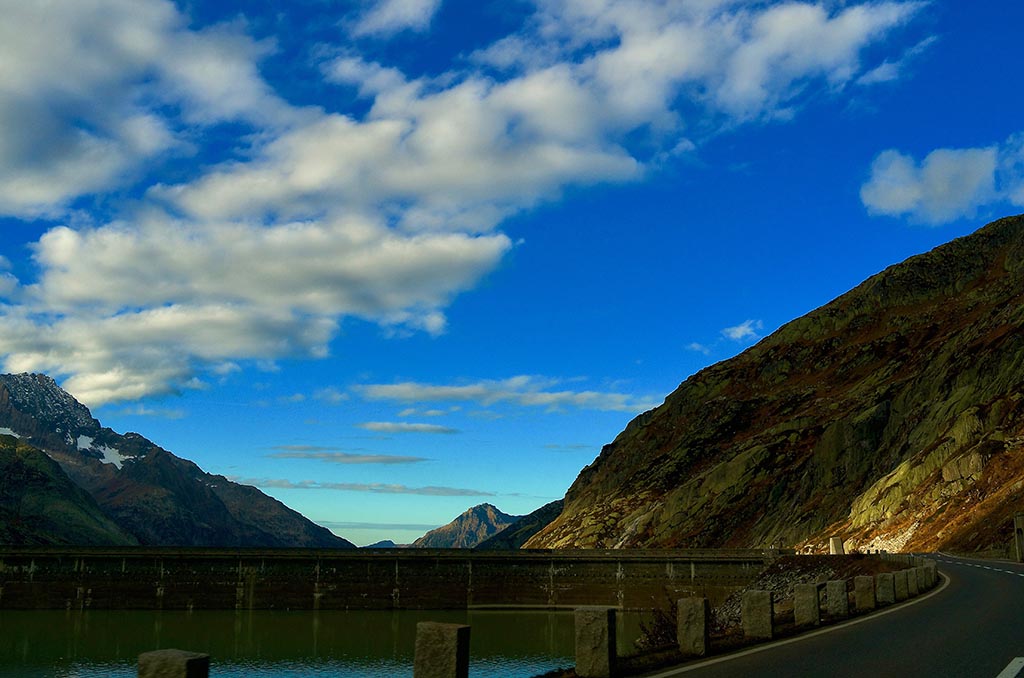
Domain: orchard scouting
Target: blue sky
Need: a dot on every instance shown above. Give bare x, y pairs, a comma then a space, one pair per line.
390, 259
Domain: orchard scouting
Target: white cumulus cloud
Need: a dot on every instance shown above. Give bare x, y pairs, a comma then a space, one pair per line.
746, 330
81, 89
293, 218
386, 17
948, 183
524, 391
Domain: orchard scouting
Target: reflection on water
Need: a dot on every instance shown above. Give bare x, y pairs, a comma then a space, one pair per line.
265, 644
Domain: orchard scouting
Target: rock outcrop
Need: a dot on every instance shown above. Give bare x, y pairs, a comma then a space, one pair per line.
468, 530
893, 416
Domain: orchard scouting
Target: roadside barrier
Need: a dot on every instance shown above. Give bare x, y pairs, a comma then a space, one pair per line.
595, 642
693, 626
864, 593
442, 650
869, 593
757, 614
899, 581
806, 605
173, 664
838, 600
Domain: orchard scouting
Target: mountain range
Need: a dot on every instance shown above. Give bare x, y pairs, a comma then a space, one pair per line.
82, 483
892, 417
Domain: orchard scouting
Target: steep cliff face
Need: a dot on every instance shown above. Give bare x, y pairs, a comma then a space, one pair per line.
467, 530
893, 416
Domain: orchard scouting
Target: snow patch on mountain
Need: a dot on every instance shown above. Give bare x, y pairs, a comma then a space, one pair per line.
110, 454
8, 432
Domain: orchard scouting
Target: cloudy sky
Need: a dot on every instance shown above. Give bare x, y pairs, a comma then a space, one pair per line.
388, 259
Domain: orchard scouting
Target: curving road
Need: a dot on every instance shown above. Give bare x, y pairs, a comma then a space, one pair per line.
972, 626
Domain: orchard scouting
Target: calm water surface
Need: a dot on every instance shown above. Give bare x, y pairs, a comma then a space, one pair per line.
263, 644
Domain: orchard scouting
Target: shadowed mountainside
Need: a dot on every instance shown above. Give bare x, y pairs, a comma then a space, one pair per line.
519, 532
39, 505
893, 416
158, 498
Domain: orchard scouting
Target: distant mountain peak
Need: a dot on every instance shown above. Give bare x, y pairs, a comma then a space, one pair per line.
39, 396
148, 492
473, 526
519, 532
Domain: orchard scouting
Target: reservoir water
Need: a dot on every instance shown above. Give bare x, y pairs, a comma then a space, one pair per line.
267, 644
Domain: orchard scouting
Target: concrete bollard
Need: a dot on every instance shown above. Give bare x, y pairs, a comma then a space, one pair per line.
885, 591
806, 605
1018, 537
442, 650
932, 568
693, 626
864, 593
922, 578
173, 664
912, 587
757, 614
899, 584
838, 602
595, 642
835, 546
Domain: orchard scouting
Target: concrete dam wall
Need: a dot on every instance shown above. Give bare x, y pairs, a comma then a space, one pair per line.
308, 579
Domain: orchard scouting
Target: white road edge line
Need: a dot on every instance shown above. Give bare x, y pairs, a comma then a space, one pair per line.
1013, 669
810, 634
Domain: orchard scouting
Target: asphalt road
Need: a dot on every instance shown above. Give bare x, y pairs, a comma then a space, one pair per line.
973, 627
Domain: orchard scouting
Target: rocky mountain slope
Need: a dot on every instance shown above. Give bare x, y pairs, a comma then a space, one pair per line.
893, 416
40, 505
154, 496
519, 532
468, 530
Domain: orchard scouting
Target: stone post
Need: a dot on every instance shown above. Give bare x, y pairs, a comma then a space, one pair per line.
806, 605
912, 587
838, 602
595, 642
835, 546
885, 591
1018, 537
864, 593
899, 584
173, 664
756, 614
442, 651
922, 578
932, 568
693, 617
